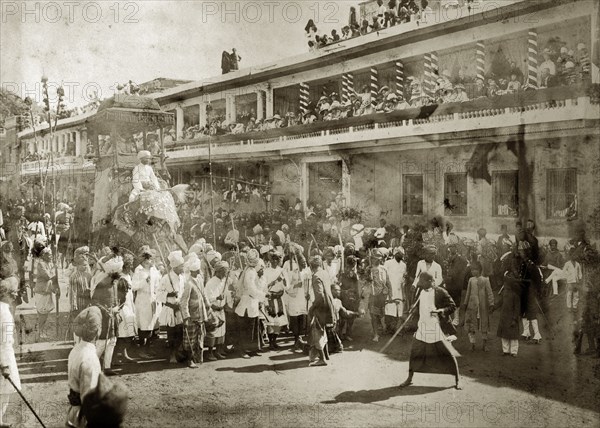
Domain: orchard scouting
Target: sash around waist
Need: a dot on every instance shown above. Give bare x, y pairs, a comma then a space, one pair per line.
74, 398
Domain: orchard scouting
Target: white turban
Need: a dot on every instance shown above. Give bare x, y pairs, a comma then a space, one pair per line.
175, 259
197, 249
113, 265
193, 264
213, 255
143, 154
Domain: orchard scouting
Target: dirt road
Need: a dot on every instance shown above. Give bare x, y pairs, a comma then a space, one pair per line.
544, 386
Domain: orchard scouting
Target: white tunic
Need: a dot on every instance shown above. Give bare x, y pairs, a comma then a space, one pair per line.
141, 178
127, 322
296, 289
397, 272
433, 269
250, 294
429, 330
7, 352
83, 370
145, 300
170, 283
276, 285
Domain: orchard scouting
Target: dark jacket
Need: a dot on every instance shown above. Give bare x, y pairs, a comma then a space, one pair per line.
442, 301
322, 307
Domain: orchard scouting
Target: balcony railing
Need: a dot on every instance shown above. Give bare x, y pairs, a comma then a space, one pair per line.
507, 110
61, 163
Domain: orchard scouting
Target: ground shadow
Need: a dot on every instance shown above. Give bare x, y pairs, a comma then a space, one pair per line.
259, 368
367, 396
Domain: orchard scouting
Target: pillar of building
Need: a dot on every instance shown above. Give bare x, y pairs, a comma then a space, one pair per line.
179, 119
532, 58
260, 105
269, 102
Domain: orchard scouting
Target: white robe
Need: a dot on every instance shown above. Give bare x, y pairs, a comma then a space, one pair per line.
7, 352
435, 270
127, 322
145, 300
250, 294
170, 283
397, 272
296, 289
142, 175
83, 370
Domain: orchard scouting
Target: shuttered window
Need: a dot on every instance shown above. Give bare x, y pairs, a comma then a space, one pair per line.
505, 193
561, 197
455, 194
412, 201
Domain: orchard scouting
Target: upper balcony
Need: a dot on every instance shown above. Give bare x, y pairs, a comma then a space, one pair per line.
501, 115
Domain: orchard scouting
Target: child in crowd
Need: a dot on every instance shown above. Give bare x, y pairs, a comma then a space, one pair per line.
478, 305
343, 315
573, 276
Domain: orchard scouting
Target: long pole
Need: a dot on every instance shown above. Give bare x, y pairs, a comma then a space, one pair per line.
212, 202
26, 402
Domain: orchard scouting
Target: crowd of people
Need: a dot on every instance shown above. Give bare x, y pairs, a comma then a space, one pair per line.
305, 276
394, 13
561, 66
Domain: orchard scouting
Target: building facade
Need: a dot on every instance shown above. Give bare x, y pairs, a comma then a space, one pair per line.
482, 115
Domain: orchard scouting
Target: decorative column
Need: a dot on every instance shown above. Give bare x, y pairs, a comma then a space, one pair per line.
260, 105
269, 101
532, 58
350, 82
399, 79
347, 86
304, 96
203, 117
480, 60
374, 86
435, 71
344, 96
179, 121
427, 75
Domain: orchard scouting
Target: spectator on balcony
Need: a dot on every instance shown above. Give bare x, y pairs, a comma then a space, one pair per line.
480, 90
460, 93
401, 103
364, 28
516, 71
393, 12
335, 37
153, 144
234, 59
346, 33
238, 128
380, 14
355, 30
514, 85
570, 75
311, 32
352, 19
546, 78
443, 81
492, 89
583, 58
403, 14
548, 63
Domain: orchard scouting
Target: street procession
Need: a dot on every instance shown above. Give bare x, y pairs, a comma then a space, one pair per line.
392, 219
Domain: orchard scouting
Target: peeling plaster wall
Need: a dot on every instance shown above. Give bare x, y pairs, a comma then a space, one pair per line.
377, 181
286, 181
